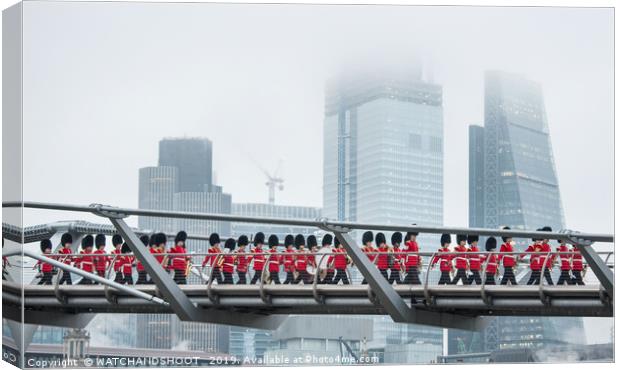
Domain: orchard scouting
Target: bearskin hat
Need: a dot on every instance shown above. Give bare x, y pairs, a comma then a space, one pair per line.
472, 238
537, 238
327, 239
367, 237
230, 244
490, 244
46, 244
125, 248
505, 238
546, 228
299, 240
66, 238
273, 240
312, 242
409, 233
117, 239
461, 238
153, 239
214, 239
160, 238
336, 242
88, 241
181, 237
243, 240
145, 240
259, 238
380, 239
99, 240
397, 238
445, 239
289, 240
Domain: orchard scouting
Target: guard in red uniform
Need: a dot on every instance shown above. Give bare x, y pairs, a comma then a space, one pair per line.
535, 260
412, 259
396, 262
564, 254
127, 262
326, 243
142, 276
101, 262
242, 260
474, 260
301, 258
289, 259
117, 242
215, 258
508, 259
228, 264
157, 248
274, 259
258, 255
445, 259
383, 256
461, 260
491, 260
65, 248
46, 269
179, 259
368, 249
339, 260
547, 259
577, 266
85, 260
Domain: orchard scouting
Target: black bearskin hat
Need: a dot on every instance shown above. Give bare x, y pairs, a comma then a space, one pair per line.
299, 240
214, 239
289, 240
546, 228
472, 238
117, 239
145, 240
312, 242
537, 238
99, 240
230, 244
66, 238
505, 238
461, 238
88, 241
380, 239
397, 238
367, 237
409, 233
243, 240
327, 239
446, 239
491, 244
336, 242
125, 248
273, 240
46, 244
259, 238
160, 238
181, 237
153, 239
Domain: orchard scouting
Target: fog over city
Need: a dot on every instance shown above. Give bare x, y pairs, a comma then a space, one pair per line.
251, 78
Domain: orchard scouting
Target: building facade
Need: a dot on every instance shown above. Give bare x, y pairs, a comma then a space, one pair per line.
273, 211
193, 158
157, 188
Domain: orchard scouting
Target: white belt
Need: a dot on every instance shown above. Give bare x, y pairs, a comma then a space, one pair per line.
277, 262
86, 263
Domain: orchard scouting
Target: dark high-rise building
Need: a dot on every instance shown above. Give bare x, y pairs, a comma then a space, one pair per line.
193, 158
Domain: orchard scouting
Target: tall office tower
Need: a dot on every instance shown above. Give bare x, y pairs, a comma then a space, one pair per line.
157, 187
274, 211
193, 157
383, 161
513, 182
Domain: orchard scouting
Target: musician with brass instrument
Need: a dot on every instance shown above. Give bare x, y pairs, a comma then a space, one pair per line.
474, 260
577, 267
258, 256
461, 260
242, 260
179, 260
228, 262
275, 260
535, 260
214, 258
397, 260
383, 258
289, 259
158, 248
445, 259
339, 260
508, 259
413, 261
492, 261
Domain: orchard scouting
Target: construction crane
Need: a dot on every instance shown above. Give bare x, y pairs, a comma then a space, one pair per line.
273, 180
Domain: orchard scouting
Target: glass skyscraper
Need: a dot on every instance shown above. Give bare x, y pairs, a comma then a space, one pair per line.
193, 157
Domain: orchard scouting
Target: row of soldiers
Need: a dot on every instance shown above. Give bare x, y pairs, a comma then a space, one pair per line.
302, 257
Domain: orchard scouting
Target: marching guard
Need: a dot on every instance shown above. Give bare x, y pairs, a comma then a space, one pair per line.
158, 249
117, 242
577, 267
242, 260
491, 261
445, 259
46, 269
368, 249
85, 259
301, 258
142, 277
412, 259
66, 240
289, 259
461, 259
397, 258
258, 256
535, 260
548, 259
474, 260
215, 258
228, 263
179, 259
326, 248
101, 262
508, 260
339, 260
564, 253
383, 257
274, 259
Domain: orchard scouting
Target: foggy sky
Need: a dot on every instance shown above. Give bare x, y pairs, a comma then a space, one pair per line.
103, 83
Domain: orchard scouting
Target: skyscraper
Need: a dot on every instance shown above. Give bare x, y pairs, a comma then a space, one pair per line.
193, 157
513, 182
157, 188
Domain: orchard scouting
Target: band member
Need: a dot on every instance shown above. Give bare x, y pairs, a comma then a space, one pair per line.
383, 256
368, 249
117, 242
535, 260
127, 262
474, 260
289, 259
258, 255
274, 259
242, 260
101, 262
508, 259
565, 255
412, 259
85, 259
215, 258
46, 269
66, 240
325, 253
461, 260
577, 266
445, 259
339, 260
313, 249
547, 259
301, 258
179, 259
157, 248
228, 263
397, 258
491, 260
142, 277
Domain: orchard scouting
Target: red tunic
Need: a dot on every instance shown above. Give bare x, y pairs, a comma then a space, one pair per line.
535, 258
259, 259
445, 260
398, 258
274, 262
178, 261
228, 265
301, 261
101, 262
159, 256
577, 260
117, 260
86, 261
474, 259
509, 260
461, 259
370, 253
67, 260
565, 257
46, 267
383, 258
242, 261
492, 263
412, 259
546, 248
339, 259
127, 264
289, 260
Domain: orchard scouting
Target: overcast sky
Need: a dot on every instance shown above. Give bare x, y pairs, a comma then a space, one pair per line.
103, 83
